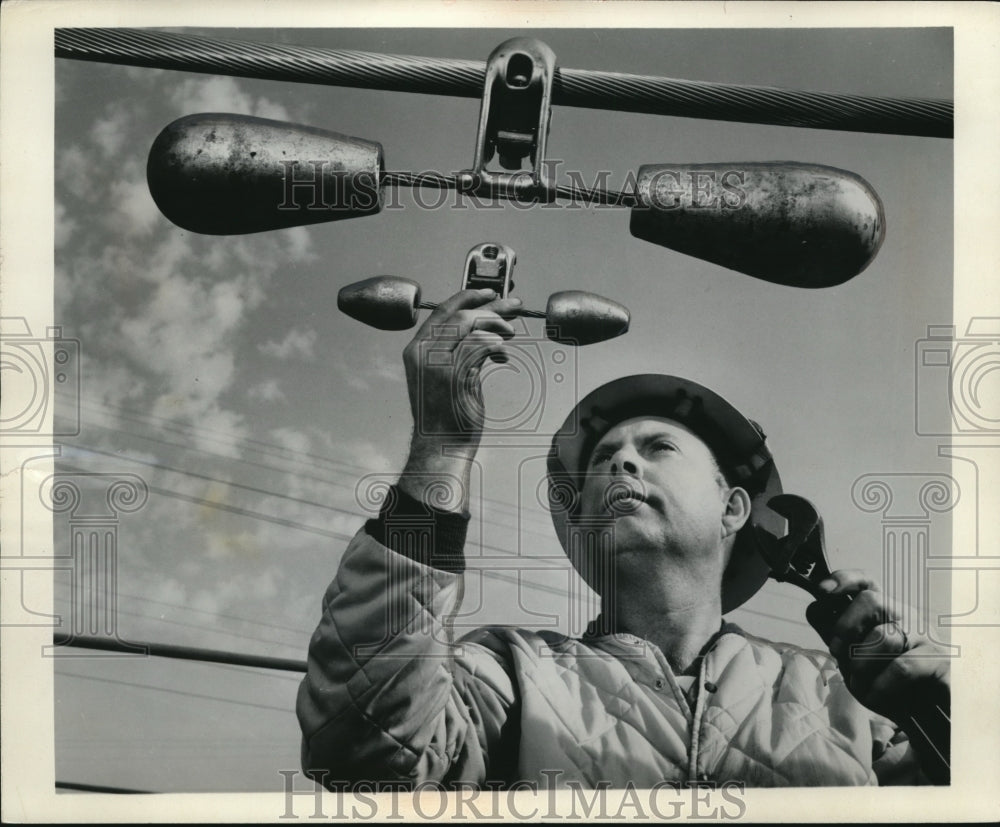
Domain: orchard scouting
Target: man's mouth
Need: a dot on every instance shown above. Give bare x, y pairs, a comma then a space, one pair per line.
623, 498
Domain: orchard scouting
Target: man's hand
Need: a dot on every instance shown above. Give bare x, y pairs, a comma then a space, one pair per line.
443, 364
885, 668
905, 677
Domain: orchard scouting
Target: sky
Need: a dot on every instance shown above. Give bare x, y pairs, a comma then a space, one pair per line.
220, 372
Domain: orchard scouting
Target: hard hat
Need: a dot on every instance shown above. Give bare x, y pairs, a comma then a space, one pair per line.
738, 444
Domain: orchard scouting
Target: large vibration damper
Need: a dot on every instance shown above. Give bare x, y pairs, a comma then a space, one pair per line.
797, 224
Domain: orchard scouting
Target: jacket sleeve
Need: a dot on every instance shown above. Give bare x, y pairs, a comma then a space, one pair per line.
387, 696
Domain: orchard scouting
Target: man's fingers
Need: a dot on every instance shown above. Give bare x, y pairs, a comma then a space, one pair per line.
864, 612
888, 671
450, 331
467, 305
849, 606
848, 581
481, 318
478, 346
509, 308
459, 301
858, 622
885, 638
868, 658
915, 678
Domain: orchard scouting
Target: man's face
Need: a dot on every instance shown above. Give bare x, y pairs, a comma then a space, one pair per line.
661, 486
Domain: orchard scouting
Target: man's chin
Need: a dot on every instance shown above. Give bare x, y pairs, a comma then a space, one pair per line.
631, 535
623, 513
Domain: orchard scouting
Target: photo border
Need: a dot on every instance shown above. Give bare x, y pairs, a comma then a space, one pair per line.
26, 240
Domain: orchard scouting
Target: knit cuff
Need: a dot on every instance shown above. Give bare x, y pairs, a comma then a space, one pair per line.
421, 532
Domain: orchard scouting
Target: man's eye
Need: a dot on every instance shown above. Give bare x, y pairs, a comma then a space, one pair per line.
664, 446
598, 458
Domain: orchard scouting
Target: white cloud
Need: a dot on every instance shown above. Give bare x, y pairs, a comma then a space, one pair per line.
223, 94
389, 369
363, 456
265, 108
267, 391
354, 379
205, 601
183, 330
359, 374
298, 243
296, 343
132, 208
109, 132
214, 428
183, 334
112, 385
64, 225
143, 74
370, 456
73, 170
162, 315
227, 302
226, 545
167, 257
346, 524
292, 440
167, 590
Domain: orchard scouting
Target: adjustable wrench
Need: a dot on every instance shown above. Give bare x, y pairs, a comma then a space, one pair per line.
800, 556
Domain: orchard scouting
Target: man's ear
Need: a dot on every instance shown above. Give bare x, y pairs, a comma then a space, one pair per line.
737, 511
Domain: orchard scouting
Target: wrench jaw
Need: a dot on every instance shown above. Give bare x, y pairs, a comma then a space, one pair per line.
809, 562
800, 556
778, 556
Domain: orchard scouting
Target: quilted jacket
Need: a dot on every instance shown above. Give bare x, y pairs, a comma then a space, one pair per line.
387, 696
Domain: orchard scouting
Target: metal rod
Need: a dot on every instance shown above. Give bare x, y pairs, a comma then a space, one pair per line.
531, 314
169, 650
98, 788
464, 78
571, 192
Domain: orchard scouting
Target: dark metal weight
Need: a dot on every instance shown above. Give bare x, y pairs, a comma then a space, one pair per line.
802, 225
224, 174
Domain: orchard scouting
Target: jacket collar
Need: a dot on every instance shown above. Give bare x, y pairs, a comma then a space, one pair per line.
603, 626
601, 629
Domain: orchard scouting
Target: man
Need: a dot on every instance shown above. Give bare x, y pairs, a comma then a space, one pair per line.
656, 484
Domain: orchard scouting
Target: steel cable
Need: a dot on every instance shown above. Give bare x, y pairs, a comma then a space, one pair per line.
464, 78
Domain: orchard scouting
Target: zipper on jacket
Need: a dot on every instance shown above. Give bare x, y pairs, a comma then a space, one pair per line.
699, 713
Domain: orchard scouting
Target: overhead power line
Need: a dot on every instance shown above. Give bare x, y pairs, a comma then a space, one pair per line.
167, 690
240, 512
170, 650
328, 465
97, 788
355, 513
193, 610
200, 627
464, 78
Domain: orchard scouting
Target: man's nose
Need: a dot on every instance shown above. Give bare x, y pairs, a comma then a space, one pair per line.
625, 462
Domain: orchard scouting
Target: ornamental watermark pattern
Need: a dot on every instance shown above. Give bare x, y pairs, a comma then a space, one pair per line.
94, 504
957, 403
320, 186
555, 797
34, 369
906, 503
